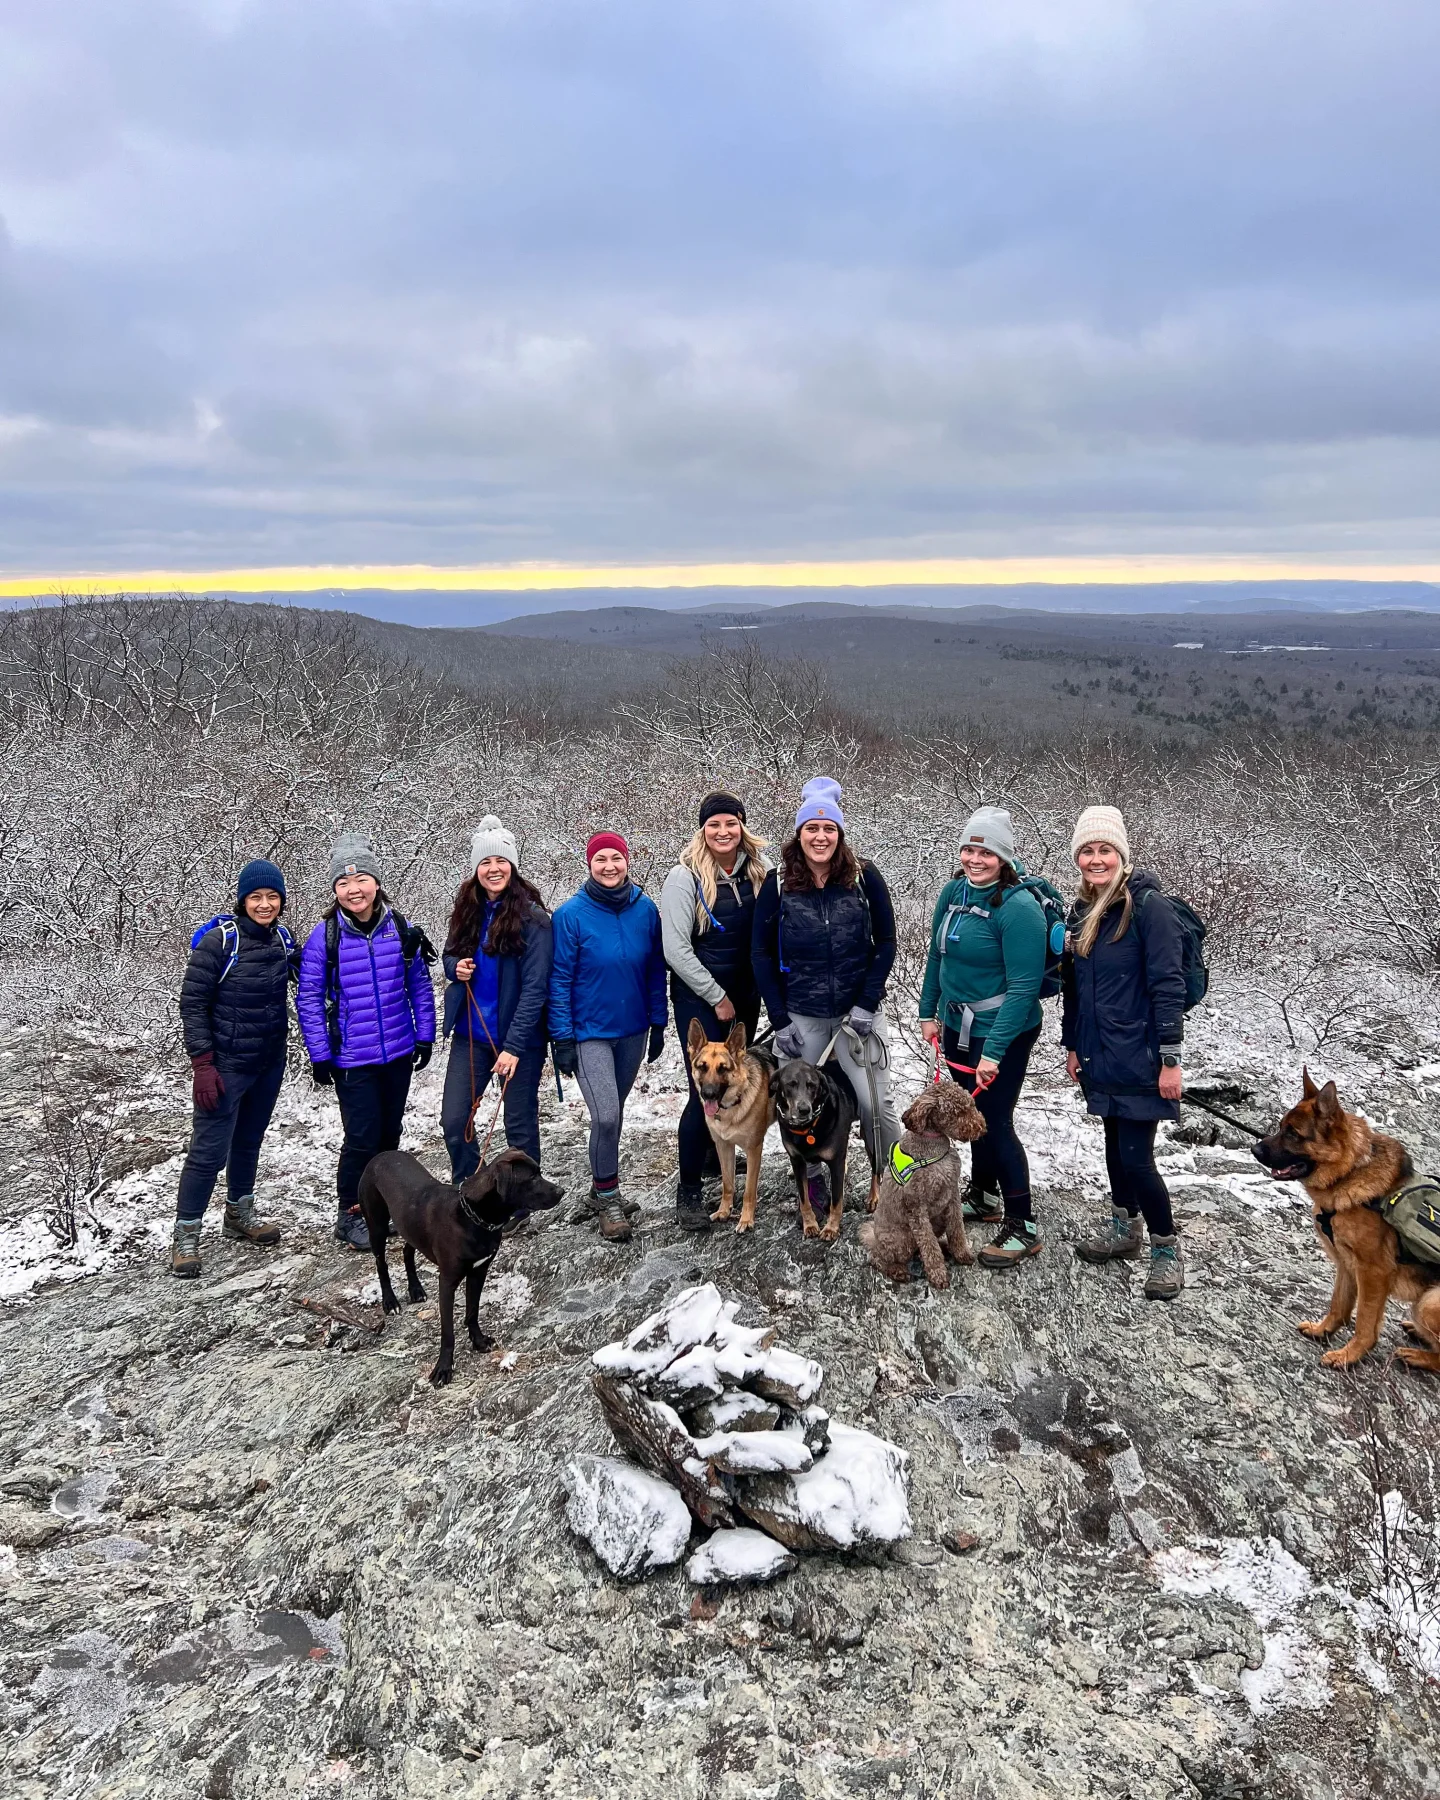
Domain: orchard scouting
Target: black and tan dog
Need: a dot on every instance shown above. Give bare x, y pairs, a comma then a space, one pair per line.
458, 1229
733, 1083
815, 1109
1346, 1168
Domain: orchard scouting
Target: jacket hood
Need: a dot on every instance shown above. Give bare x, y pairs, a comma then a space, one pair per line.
1143, 882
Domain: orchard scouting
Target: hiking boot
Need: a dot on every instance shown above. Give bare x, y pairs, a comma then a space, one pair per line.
593, 1203
1015, 1240
241, 1223
612, 1219
350, 1229
1122, 1242
691, 1212
980, 1208
1167, 1268
185, 1249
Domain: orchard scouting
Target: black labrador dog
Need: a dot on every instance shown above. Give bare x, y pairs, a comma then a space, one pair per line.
459, 1229
815, 1109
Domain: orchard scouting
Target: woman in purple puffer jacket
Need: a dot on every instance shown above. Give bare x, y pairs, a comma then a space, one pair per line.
367, 1010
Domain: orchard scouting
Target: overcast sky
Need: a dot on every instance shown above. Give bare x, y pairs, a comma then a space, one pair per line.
457, 281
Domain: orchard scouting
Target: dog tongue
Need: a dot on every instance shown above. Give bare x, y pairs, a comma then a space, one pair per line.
712, 1109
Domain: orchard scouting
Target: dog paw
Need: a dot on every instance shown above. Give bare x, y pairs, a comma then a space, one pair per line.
391, 1303
831, 1231
744, 1225
417, 1294
481, 1340
1313, 1328
1344, 1358
440, 1376
1412, 1330
810, 1228
964, 1261
872, 1203
1415, 1358
939, 1281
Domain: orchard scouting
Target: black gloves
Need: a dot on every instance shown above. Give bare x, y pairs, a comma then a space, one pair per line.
423, 1053
323, 1074
566, 1055
657, 1042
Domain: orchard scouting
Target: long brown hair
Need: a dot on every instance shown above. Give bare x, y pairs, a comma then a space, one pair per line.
844, 866
1100, 900
506, 936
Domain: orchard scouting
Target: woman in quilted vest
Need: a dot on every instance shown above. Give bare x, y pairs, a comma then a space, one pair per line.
367, 1011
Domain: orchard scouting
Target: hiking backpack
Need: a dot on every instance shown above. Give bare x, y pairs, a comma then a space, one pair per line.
230, 939
413, 943
1192, 943
1052, 904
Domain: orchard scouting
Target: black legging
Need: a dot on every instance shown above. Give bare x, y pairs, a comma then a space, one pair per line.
1135, 1182
998, 1159
695, 1142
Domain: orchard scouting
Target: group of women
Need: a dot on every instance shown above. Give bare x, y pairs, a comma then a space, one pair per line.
812, 936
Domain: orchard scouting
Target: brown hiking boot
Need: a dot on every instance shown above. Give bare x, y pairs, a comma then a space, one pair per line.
1015, 1240
980, 1208
612, 1219
185, 1249
1167, 1268
1121, 1243
241, 1223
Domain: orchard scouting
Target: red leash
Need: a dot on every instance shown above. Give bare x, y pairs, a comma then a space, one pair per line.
959, 1068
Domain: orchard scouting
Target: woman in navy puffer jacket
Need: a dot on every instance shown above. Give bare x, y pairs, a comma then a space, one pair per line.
368, 1015
607, 999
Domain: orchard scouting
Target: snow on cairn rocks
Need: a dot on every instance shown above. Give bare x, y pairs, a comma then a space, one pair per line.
721, 1422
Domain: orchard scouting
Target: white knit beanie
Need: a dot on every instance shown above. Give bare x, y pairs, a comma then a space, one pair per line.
1101, 825
490, 838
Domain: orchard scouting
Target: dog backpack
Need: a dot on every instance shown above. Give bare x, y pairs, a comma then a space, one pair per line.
1413, 1213
1192, 943
230, 939
1052, 904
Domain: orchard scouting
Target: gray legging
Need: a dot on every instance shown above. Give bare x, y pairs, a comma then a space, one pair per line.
608, 1067
818, 1033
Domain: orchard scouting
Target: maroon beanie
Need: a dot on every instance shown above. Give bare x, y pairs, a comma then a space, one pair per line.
606, 840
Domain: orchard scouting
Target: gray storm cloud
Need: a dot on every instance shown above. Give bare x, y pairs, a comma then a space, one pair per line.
454, 282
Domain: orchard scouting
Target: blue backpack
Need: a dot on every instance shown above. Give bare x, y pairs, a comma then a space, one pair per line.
230, 939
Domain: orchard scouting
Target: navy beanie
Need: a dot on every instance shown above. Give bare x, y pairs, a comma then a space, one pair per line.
259, 874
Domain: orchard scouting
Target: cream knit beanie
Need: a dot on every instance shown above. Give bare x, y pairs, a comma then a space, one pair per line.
1101, 825
492, 839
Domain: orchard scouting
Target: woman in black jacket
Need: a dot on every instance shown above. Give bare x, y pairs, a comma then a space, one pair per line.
824, 945
497, 960
234, 1012
1123, 1026
707, 913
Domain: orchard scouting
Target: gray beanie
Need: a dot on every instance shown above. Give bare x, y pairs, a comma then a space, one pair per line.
989, 828
490, 838
352, 855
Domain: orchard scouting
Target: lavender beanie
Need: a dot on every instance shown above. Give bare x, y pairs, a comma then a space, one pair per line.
820, 799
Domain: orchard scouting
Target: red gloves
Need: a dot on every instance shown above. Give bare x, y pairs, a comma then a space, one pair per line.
206, 1087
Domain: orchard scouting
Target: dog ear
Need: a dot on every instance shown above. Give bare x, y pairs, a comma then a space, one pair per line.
735, 1043
695, 1039
1327, 1102
1309, 1089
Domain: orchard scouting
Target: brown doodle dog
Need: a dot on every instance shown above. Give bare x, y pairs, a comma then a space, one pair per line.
1345, 1167
919, 1206
734, 1088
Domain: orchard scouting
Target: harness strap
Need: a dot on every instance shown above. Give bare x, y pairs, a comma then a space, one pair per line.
904, 1167
859, 1047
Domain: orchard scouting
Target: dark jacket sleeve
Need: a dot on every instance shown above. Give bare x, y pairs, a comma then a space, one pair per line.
765, 951
1069, 1001
882, 937
535, 960
197, 993
1164, 967
655, 971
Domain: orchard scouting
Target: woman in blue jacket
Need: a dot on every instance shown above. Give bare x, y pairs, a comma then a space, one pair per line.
1123, 1026
497, 960
607, 1007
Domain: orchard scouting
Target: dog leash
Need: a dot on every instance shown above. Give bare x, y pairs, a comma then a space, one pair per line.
859, 1047
1229, 1118
959, 1068
476, 1098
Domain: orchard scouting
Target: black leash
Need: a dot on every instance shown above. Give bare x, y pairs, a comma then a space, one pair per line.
1229, 1118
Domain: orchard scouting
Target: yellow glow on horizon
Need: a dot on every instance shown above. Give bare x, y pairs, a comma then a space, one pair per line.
900, 572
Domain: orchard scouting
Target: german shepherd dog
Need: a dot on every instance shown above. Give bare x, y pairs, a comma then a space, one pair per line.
1345, 1167
458, 1229
733, 1083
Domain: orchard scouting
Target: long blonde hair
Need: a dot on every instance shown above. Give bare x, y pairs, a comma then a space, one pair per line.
1100, 900
699, 859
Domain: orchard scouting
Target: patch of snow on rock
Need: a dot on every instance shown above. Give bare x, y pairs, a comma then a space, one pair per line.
738, 1556
633, 1521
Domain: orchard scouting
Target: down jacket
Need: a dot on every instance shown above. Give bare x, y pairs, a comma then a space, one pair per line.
821, 952
524, 983
386, 1008
1123, 1002
243, 1021
608, 978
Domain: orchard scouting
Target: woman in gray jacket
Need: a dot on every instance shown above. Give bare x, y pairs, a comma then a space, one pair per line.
706, 911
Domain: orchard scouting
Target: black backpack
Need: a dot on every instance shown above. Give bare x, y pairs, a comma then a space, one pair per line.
413, 943
1193, 931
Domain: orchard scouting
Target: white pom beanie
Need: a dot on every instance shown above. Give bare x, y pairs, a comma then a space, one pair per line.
490, 838
1101, 825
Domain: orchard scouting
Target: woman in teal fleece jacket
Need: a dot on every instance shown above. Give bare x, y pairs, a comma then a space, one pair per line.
980, 1005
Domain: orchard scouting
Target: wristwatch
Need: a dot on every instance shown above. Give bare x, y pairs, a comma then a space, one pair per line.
1169, 1062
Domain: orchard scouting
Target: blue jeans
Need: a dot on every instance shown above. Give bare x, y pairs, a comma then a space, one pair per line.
522, 1104
229, 1138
